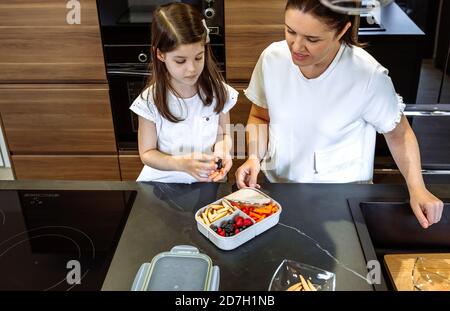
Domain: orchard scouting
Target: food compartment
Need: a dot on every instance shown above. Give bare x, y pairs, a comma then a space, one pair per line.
214, 212
220, 238
232, 225
262, 209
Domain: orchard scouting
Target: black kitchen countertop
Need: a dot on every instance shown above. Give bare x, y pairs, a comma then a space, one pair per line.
396, 23
316, 228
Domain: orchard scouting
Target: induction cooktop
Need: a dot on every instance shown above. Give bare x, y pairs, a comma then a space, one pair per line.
59, 240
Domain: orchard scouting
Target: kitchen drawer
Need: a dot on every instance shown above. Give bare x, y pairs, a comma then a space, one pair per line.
38, 45
51, 54
73, 167
130, 165
45, 13
47, 119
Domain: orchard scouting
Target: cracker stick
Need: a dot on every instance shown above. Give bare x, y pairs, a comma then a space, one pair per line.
223, 209
205, 219
227, 204
216, 206
295, 287
311, 286
304, 284
210, 215
218, 216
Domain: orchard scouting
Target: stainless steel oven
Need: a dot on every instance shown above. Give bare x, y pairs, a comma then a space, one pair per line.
125, 27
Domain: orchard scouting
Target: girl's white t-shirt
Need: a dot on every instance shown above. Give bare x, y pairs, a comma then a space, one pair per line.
323, 129
197, 132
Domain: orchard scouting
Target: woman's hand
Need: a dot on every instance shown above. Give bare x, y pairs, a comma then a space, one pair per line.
247, 173
427, 208
198, 165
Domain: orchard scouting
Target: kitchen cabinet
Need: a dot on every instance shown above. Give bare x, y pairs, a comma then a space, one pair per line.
38, 45
54, 95
51, 54
130, 165
66, 167
44, 13
57, 118
250, 26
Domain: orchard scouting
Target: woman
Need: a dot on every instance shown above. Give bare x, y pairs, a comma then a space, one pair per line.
323, 99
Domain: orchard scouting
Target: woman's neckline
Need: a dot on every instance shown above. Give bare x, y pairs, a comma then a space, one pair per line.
328, 70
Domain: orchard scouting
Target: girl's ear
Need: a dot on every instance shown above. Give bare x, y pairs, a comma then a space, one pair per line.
160, 55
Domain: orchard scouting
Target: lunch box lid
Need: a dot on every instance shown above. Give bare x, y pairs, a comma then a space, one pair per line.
184, 268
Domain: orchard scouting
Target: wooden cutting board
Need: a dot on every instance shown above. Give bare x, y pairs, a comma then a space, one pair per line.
400, 266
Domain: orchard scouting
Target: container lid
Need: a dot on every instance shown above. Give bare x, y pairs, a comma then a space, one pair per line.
181, 269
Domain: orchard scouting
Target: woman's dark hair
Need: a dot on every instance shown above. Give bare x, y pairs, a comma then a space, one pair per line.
174, 24
333, 19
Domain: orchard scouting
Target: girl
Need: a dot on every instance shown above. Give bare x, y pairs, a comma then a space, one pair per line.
183, 114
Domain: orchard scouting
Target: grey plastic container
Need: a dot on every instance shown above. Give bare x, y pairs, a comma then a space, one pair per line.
184, 268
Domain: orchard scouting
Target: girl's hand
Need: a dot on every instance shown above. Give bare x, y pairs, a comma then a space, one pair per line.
198, 165
226, 164
247, 174
427, 208
222, 156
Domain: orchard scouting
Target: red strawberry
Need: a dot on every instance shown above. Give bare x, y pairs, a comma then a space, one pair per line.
236, 231
239, 222
247, 222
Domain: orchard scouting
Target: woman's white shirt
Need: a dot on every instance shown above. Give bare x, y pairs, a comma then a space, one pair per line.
323, 129
197, 132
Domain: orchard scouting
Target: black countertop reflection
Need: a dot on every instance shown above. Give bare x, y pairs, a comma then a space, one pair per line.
59, 239
316, 227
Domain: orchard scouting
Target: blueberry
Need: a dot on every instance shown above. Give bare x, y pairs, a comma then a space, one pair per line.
219, 164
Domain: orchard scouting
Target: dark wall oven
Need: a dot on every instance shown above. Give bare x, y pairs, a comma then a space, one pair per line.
125, 27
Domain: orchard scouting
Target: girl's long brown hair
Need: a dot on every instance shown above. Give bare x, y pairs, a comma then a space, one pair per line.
333, 19
174, 24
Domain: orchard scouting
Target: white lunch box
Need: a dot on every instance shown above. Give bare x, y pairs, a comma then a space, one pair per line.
247, 195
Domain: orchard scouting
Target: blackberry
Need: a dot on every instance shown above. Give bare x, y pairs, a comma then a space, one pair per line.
219, 164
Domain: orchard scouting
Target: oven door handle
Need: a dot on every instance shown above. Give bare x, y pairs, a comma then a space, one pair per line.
129, 73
